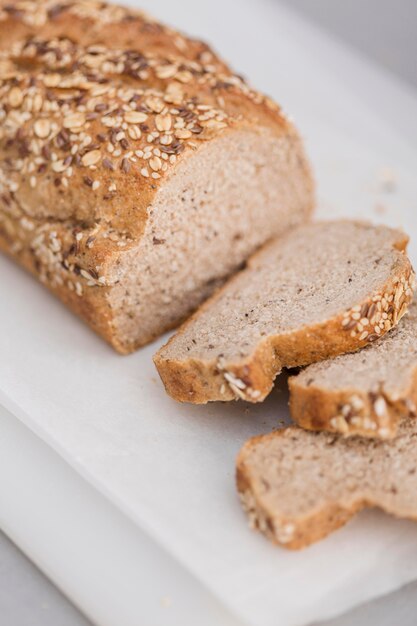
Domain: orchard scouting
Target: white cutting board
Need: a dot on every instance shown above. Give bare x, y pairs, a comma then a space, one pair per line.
169, 467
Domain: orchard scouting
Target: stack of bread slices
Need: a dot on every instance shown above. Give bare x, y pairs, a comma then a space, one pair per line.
138, 175
329, 296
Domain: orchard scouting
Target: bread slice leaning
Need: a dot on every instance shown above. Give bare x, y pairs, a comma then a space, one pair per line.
309, 295
297, 486
365, 393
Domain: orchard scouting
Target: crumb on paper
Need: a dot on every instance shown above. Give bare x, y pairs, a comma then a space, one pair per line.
166, 601
387, 180
380, 209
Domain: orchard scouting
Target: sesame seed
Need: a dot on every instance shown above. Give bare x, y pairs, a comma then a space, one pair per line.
166, 140
154, 104
42, 128
134, 132
59, 166
166, 71
155, 163
135, 117
163, 122
52, 80
380, 406
75, 120
15, 97
91, 158
339, 423
183, 133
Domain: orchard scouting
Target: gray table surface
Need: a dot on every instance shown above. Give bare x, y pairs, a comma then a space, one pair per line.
27, 598
386, 31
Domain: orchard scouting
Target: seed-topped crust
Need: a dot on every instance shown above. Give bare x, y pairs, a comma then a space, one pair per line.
85, 139
363, 394
106, 123
98, 106
90, 22
200, 373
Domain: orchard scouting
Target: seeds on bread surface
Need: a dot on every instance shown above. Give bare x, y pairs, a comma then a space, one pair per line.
103, 126
325, 289
367, 393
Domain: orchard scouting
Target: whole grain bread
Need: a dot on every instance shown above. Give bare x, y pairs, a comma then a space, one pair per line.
134, 181
298, 486
305, 297
365, 393
91, 22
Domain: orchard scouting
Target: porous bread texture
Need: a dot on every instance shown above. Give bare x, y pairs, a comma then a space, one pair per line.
134, 181
305, 297
298, 486
366, 393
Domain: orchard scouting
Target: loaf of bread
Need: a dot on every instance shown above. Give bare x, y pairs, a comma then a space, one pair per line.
91, 22
297, 486
366, 393
136, 171
306, 296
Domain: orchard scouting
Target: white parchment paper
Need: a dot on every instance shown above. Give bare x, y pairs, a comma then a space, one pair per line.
170, 467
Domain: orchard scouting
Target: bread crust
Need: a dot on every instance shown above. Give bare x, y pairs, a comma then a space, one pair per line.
252, 380
351, 411
89, 22
298, 532
69, 216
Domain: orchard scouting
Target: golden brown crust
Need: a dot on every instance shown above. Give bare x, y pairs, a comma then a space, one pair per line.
88, 136
351, 411
89, 22
199, 381
109, 126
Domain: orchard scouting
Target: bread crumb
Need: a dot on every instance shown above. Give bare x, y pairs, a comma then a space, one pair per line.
387, 180
380, 209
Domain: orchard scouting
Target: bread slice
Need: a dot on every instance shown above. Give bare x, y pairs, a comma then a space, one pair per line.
134, 182
305, 297
365, 393
297, 486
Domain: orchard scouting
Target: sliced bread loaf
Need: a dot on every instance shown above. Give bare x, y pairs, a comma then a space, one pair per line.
297, 486
134, 182
364, 393
305, 297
